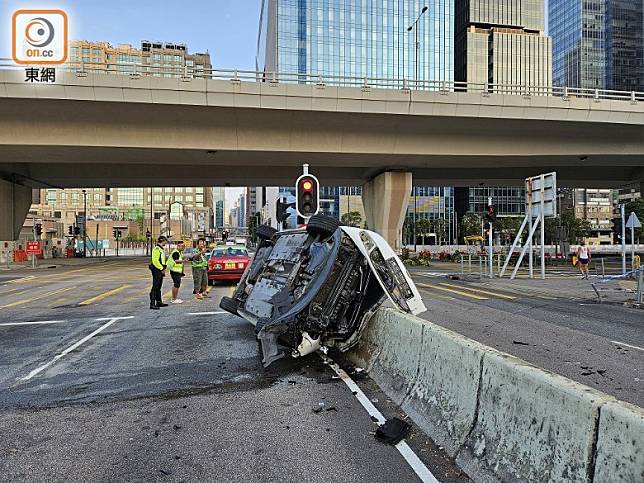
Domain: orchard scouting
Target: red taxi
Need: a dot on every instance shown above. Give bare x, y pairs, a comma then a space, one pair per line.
227, 263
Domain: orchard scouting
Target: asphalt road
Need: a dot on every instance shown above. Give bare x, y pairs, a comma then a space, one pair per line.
94, 386
555, 324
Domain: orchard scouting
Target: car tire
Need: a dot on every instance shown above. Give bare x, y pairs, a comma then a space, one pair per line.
265, 232
322, 225
229, 305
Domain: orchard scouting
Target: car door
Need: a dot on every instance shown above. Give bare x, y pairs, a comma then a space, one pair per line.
388, 269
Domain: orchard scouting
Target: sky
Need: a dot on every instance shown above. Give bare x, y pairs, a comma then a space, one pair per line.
225, 28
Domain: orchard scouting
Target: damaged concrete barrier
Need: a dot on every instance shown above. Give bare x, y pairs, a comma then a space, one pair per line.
502, 418
620, 443
531, 425
432, 373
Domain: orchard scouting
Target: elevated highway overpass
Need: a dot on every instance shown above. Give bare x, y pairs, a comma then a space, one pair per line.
116, 130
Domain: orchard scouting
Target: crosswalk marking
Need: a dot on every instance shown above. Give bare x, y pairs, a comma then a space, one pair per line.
104, 295
450, 290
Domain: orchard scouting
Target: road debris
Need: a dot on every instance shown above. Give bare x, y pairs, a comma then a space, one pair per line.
393, 431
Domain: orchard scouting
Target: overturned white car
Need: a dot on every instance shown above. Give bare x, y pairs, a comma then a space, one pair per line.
305, 289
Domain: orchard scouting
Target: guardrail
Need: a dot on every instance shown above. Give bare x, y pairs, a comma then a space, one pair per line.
188, 73
637, 274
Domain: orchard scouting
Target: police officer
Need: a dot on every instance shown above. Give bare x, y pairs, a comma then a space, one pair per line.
157, 267
200, 271
175, 264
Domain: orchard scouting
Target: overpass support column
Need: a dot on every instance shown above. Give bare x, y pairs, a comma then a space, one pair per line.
385, 200
15, 201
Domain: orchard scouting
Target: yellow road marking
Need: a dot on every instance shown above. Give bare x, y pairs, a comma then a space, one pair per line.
104, 295
166, 295
38, 297
459, 292
137, 295
57, 301
476, 290
435, 294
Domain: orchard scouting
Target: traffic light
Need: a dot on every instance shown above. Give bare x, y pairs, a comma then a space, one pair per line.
490, 216
148, 234
307, 198
38, 229
77, 230
224, 235
281, 210
70, 230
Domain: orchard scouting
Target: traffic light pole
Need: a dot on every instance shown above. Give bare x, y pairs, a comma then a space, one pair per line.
33, 255
490, 249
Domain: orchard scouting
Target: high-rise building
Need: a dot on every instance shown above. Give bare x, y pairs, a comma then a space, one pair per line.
596, 206
361, 39
356, 39
157, 59
218, 206
598, 44
502, 43
128, 204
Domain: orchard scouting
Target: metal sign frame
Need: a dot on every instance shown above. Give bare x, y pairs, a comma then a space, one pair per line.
541, 203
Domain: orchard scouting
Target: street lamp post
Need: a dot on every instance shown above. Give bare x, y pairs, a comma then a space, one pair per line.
414, 26
84, 223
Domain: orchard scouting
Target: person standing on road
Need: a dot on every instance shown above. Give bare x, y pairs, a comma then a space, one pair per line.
175, 264
157, 267
200, 271
583, 258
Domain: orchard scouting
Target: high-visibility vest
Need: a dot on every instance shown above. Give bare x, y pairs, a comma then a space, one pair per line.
199, 261
175, 266
158, 257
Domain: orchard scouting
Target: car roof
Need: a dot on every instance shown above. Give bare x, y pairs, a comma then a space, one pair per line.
233, 247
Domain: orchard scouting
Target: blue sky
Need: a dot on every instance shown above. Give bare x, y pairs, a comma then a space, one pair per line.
227, 28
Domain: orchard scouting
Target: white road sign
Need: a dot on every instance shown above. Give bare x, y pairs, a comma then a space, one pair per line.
633, 221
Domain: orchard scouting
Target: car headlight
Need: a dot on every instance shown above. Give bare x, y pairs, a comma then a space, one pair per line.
217, 266
240, 265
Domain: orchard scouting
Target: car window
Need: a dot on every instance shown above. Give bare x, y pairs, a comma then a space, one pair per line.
229, 252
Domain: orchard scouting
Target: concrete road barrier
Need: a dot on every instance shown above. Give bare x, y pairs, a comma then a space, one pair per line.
502, 418
620, 444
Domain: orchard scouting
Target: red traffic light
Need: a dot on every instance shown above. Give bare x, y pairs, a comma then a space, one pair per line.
307, 198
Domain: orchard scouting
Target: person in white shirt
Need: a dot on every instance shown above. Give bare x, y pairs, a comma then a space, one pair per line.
583, 259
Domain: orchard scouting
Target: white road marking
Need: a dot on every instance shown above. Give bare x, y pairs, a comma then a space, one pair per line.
207, 313
72, 347
403, 448
627, 345
10, 324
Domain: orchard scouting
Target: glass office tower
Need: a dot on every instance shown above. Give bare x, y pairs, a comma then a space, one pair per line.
357, 38
362, 38
598, 44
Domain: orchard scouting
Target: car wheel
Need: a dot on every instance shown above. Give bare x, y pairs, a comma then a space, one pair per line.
265, 232
211, 282
229, 305
322, 225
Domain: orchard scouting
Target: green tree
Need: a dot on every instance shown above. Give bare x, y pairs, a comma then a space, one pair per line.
637, 207
576, 228
352, 218
440, 228
423, 226
508, 226
470, 225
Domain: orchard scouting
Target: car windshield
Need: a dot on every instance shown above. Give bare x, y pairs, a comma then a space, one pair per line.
229, 252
